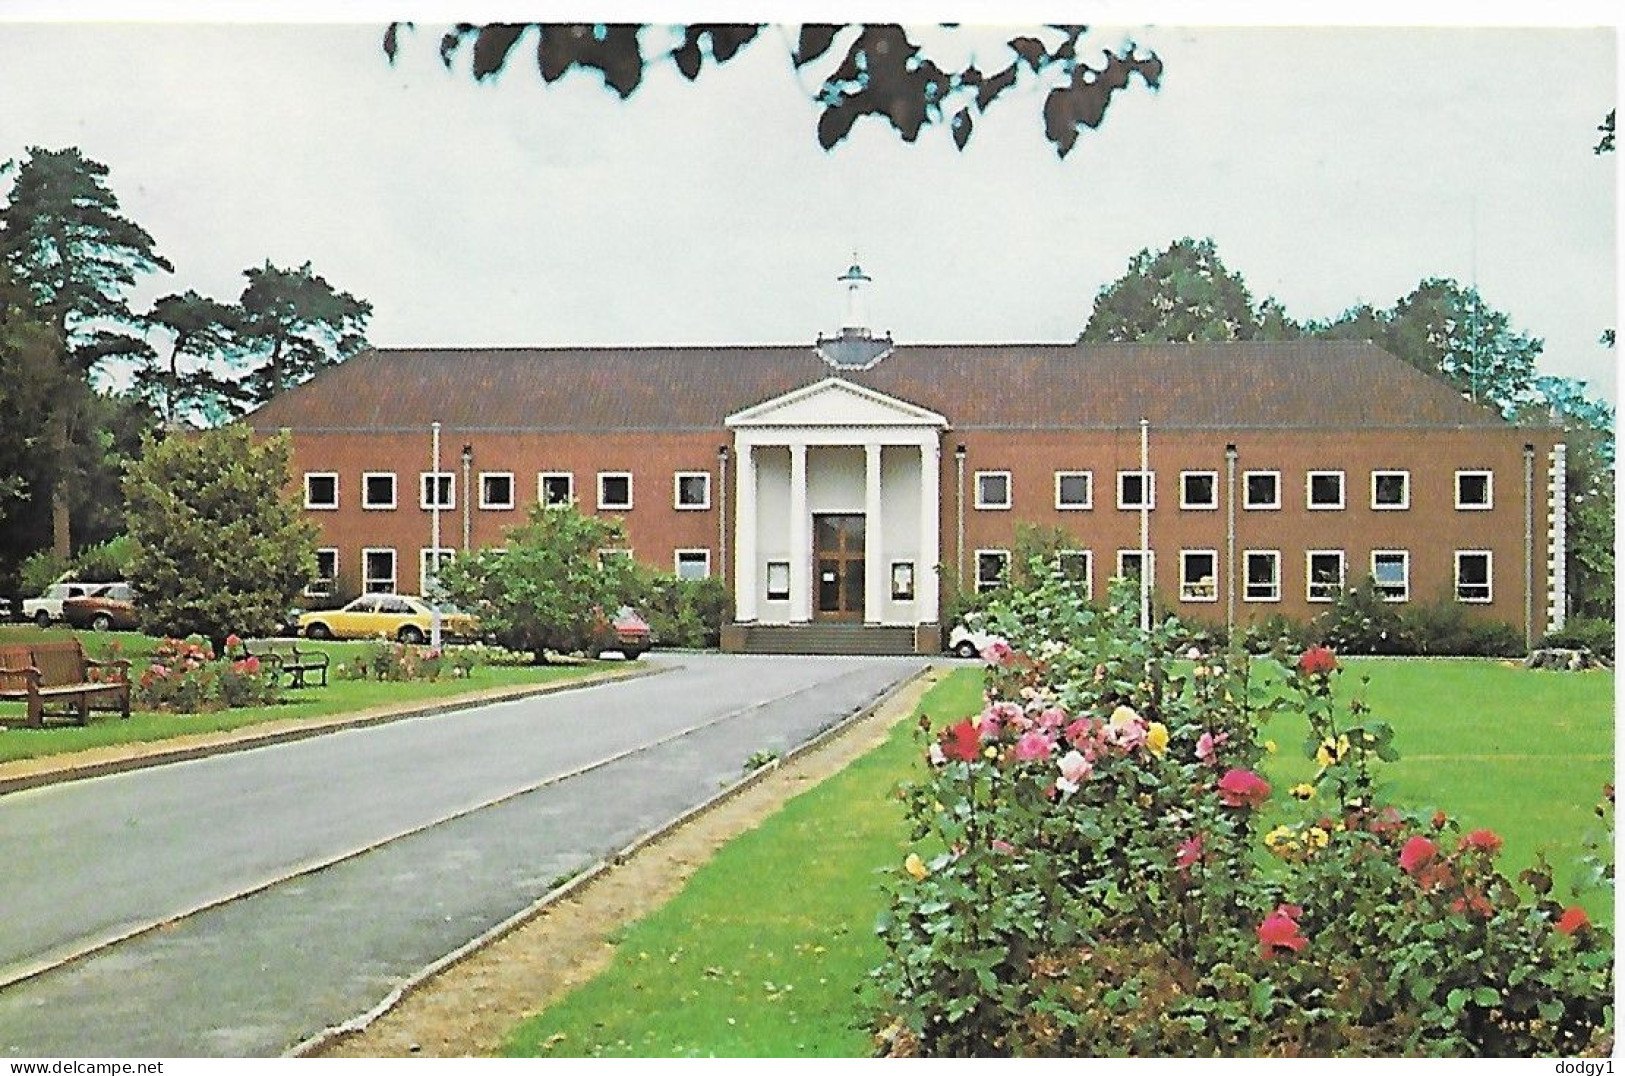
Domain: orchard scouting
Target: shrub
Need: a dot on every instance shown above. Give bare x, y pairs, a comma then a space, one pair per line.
105, 562
683, 612
1579, 633
402, 662
1361, 622
184, 677
39, 570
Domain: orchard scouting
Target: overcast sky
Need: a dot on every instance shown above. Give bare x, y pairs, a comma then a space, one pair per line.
1330, 165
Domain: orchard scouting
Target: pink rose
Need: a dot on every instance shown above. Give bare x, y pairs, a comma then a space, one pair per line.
1034, 745
1243, 788
1417, 853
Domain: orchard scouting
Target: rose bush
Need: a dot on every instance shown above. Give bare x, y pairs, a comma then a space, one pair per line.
185, 677
1090, 874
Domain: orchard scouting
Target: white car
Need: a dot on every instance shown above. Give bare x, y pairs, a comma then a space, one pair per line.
968, 641
48, 606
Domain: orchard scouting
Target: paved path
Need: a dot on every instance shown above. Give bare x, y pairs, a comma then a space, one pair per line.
477, 821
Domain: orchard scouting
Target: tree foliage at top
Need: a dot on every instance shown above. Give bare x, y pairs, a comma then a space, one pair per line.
192, 381
882, 73
293, 325
547, 591
1183, 294
220, 545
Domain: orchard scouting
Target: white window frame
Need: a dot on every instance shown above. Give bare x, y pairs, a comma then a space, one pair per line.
1151, 563
1247, 503
1088, 492
569, 487
1192, 506
604, 507
1489, 576
913, 582
312, 506
677, 491
983, 505
1405, 560
1309, 491
1247, 576
1309, 574
370, 505
677, 561
1186, 593
498, 506
447, 556
1400, 507
450, 477
315, 589
776, 568
1148, 487
1004, 578
394, 570
1489, 491
1088, 579
604, 555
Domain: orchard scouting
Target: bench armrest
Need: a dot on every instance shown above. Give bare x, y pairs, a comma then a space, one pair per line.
29, 673
316, 656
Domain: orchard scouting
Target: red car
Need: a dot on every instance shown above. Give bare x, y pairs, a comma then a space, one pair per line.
627, 632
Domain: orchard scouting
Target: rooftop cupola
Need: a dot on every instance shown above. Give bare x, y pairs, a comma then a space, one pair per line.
856, 348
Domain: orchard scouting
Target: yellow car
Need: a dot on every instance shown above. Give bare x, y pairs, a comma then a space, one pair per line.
389, 616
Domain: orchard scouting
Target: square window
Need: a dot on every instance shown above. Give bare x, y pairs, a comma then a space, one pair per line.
1076, 566
992, 489
1198, 575
1199, 490
378, 571
992, 568
1128, 564
378, 489
1325, 491
439, 490
614, 490
693, 563
1262, 490
327, 574
1074, 490
496, 490
429, 565
1263, 576
1474, 491
902, 580
321, 489
1473, 576
1325, 574
1136, 489
778, 580
1391, 572
1390, 490
693, 490
556, 489
606, 557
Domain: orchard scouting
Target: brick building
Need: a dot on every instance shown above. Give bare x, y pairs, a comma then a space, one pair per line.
848, 484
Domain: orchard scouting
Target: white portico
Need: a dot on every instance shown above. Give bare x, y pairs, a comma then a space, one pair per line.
837, 508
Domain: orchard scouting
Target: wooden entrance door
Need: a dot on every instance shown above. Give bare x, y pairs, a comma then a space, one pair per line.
838, 567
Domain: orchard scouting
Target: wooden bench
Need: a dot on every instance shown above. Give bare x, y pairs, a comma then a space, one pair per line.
57, 679
297, 663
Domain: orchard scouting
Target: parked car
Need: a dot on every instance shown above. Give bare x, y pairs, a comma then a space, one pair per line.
970, 638
626, 631
406, 617
48, 606
110, 609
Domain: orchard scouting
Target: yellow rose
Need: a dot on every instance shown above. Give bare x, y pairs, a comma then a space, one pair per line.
1122, 717
990, 752
916, 866
1156, 738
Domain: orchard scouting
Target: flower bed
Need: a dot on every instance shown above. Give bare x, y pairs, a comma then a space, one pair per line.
1090, 876
185, 677
404, 662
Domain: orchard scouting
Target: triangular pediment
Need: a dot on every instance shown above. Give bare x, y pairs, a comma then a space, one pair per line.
835, 402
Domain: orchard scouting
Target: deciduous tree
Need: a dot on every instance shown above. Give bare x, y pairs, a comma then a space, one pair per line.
1182, 294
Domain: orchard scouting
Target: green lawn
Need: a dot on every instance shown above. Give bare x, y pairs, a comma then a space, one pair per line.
761, 953
339, 697
771, 974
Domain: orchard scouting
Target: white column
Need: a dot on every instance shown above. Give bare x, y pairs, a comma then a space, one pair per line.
876, 572
926, 572
801, 596
746, 583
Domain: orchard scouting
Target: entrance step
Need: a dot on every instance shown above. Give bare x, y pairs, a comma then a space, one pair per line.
824, 639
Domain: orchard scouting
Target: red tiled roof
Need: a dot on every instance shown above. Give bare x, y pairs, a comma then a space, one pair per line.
1282, 385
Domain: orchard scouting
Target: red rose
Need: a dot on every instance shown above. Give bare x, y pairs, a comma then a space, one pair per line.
233, 641
962, 742
1417, 853
1485, 839
1279, 930
1243, 788
1573, 920
1317, 661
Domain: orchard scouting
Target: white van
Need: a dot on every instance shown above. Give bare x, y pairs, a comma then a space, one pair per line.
48, 606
